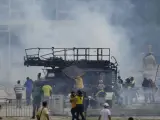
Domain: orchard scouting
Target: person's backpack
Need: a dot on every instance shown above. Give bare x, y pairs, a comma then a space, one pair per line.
39, 116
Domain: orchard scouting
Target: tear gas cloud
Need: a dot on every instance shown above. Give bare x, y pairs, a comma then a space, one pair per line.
93, 25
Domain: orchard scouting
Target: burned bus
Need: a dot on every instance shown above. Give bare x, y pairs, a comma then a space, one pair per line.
64, 65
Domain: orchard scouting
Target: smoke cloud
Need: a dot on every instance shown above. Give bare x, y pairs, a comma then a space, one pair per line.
94, 24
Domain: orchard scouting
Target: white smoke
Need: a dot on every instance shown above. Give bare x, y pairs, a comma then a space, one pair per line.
90, 27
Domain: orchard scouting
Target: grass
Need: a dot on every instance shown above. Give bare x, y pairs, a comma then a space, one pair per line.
88, 118
113, 118
125, 118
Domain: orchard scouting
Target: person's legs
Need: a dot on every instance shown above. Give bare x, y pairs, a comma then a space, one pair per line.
152, 94
17, 103
131, 96
145, 96
82, 116
27, 102
81, 112
34, 111
153, 97
126, 100
28, 98
77, 112
73, 112
136, 96
16, 100
150, 97
38, 106
20, 100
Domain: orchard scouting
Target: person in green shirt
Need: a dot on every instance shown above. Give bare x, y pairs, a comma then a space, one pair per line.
37, 95
47, 92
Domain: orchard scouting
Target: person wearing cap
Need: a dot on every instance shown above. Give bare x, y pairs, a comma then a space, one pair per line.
79, 105
73, 101
105, 113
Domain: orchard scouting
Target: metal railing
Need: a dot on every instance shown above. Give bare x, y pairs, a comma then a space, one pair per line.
9, 108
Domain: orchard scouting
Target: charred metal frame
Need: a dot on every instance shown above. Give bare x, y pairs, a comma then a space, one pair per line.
96, 60
61, 58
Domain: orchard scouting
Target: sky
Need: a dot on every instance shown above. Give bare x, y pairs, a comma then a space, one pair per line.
125, 26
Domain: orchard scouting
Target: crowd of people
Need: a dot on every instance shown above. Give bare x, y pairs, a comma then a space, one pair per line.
40, 94
128, 91
149, 88
79, 107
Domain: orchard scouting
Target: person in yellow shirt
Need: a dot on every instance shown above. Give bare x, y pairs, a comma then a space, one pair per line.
47, 91
79, 105
43, 113
73, 101
79, 82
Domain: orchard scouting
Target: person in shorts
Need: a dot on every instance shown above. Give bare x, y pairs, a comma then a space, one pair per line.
18, 91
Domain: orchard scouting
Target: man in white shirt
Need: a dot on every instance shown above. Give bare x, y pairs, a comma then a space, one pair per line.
105, 113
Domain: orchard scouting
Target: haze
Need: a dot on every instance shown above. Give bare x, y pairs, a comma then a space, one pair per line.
125, 26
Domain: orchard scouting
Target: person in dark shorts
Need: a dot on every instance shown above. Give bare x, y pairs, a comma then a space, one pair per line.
18, 91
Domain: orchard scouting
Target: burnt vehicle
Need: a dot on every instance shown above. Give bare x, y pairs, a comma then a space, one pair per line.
67, 63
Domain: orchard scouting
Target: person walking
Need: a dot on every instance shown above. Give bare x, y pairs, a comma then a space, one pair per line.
43, 113
18, 88
79, 105
37, 95
105, 113
73, 101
